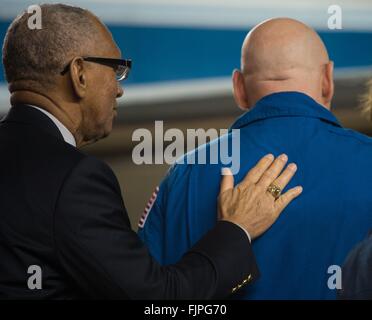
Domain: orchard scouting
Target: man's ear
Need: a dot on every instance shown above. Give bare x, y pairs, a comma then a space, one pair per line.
240, 95
78, 77
328, 84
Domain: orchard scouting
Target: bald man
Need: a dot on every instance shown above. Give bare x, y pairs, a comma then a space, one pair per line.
285, 86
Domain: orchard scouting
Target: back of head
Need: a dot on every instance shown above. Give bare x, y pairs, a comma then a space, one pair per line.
32, 57
47, 67
286, 55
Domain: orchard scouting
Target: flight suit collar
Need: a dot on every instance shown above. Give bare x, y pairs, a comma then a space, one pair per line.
285, 104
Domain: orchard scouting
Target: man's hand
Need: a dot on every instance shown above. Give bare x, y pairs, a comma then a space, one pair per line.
249, 204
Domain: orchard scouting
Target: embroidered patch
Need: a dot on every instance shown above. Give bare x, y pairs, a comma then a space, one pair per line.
148, 207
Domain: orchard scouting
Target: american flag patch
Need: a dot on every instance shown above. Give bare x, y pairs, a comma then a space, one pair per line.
148, 207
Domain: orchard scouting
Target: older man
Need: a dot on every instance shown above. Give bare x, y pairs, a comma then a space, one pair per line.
286, 87
64, 229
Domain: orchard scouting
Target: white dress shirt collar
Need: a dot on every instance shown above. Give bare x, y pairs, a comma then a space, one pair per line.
67, 135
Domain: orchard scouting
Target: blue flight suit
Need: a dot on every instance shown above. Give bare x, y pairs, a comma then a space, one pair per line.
314, 233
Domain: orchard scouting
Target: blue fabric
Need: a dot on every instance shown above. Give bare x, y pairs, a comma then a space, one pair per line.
316, 231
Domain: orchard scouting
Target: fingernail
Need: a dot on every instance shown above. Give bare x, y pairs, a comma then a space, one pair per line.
283, 157
299, 189
292, 166
270, 156
226, 172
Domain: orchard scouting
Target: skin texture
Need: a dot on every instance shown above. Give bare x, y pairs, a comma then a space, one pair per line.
251, 195
283, 55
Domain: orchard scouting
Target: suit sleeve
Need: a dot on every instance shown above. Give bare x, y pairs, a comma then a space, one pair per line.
104, 257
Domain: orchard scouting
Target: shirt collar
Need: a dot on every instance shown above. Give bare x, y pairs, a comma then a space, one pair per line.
67, 135
285, 104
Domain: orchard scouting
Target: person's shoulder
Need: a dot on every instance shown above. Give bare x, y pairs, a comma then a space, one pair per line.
363, 251
90, 165
204, 161
70, 163
353, 136
60, 153
357, 272
68, 155
205, 154
91, 171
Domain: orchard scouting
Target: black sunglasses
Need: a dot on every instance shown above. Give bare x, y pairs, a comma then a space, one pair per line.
121, 66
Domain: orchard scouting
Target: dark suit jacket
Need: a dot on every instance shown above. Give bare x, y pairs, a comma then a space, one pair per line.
62, 210
357, 273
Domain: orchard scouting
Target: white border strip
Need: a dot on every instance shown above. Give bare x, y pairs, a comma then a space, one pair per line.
157, 92
176, 90
350, 73
190, 89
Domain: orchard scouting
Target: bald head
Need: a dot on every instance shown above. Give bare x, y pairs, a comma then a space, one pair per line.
279, 48
285, 55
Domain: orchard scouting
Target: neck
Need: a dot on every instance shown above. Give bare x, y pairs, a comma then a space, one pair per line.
70, 121
319, 100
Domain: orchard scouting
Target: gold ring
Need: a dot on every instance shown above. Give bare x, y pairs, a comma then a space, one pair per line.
274, 190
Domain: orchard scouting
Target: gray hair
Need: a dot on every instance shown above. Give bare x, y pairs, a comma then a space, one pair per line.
40, 54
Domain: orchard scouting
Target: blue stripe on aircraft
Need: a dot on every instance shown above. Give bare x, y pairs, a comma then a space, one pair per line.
164, 53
